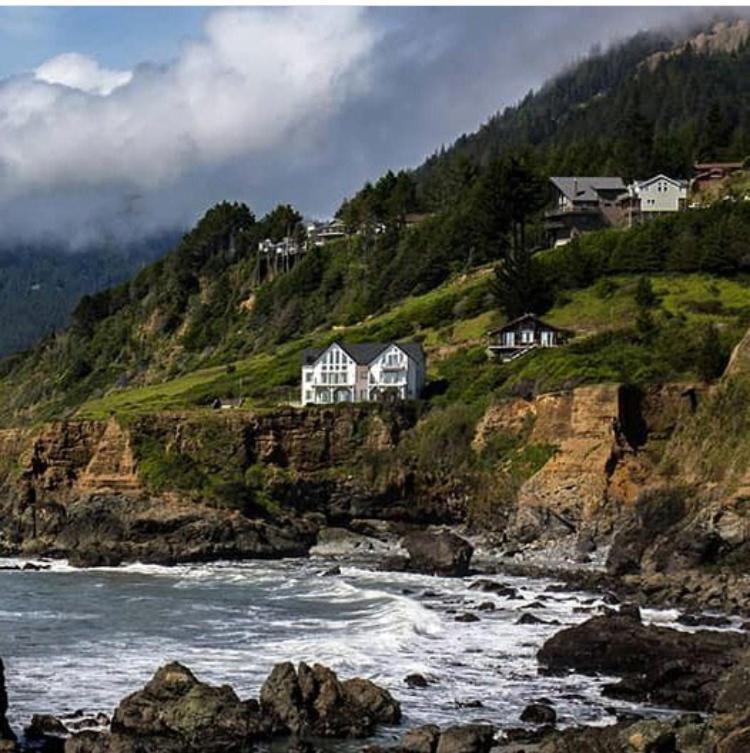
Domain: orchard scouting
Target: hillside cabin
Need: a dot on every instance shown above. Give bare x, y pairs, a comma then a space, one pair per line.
709, 174
522, 335
583, 204
652, 198
362, 372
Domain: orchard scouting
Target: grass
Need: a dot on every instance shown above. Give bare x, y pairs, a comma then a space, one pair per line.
452, 321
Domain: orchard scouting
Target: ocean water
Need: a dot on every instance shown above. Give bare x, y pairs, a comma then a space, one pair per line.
83, 639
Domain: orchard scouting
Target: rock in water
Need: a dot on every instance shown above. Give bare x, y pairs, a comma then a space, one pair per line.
471, 738
5, 731
176, 713
421, 739
312, 700
663, 665
539, 713
442, 553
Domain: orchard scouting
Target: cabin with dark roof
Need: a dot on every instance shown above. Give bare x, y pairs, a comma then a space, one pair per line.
362, 372
522, 335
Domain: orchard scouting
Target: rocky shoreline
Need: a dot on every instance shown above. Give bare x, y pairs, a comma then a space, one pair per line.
705, 673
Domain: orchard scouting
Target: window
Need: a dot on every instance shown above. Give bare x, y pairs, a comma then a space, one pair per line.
308, 376
308, 396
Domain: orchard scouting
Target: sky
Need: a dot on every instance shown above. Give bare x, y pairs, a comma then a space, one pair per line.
120, 122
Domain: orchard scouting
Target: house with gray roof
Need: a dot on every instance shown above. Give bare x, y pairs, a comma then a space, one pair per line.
582, 204
362, 372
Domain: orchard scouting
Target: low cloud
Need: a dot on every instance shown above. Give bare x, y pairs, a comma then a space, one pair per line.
271, 105
257, 79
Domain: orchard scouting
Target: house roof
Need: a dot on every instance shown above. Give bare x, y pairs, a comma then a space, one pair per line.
514, 322
365, 353
675, 181
706, 166
587, 188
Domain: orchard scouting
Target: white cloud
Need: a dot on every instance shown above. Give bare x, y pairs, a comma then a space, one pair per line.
259, 79
81, 72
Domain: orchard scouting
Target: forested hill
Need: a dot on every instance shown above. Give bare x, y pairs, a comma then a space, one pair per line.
41, 284
202, 323
654, 103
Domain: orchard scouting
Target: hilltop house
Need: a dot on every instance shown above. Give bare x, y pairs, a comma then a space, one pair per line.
522, 335
362, 372
582, 205
321, 233
708, 174
654, 197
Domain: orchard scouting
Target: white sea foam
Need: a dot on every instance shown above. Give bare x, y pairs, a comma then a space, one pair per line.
74, 639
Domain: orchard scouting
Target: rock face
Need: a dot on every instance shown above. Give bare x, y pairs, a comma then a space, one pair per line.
665, 666
601, 434
442, 553
109, 529
312, 700
5, 731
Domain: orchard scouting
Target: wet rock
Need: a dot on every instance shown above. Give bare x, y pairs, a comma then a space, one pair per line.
530, 619
175, 708
298, 745
6, 734
539, 713
466, 617
331, 572
663, 665
312, 700
442, 553
472, 703
694, 620
491, 586
421, 739
469, 738
47, 733
487, 606
416, 681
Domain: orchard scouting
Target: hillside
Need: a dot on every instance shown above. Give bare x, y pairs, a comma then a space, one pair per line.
40, 285
202, 323
654, 103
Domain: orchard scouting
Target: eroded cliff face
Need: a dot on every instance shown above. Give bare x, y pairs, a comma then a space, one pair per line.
75, 486
608, 441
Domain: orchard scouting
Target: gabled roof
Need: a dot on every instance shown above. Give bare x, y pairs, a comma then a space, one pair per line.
365, 353
586, 188
674, 181
514, 322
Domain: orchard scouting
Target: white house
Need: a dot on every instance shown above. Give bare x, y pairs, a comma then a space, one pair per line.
362, 372
654, 197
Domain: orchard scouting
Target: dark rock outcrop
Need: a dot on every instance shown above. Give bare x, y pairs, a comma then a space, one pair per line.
312, 700
421, 739
663, 665
439, 553
469, 738
539, 713
6, 734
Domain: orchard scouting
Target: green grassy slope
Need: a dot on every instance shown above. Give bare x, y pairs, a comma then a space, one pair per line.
452, 322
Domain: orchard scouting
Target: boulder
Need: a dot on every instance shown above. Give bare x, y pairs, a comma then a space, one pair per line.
416, 680
665, 666
469, 738
312, 700
47, 733
421, 739
176, 710
539, 713
442, 553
